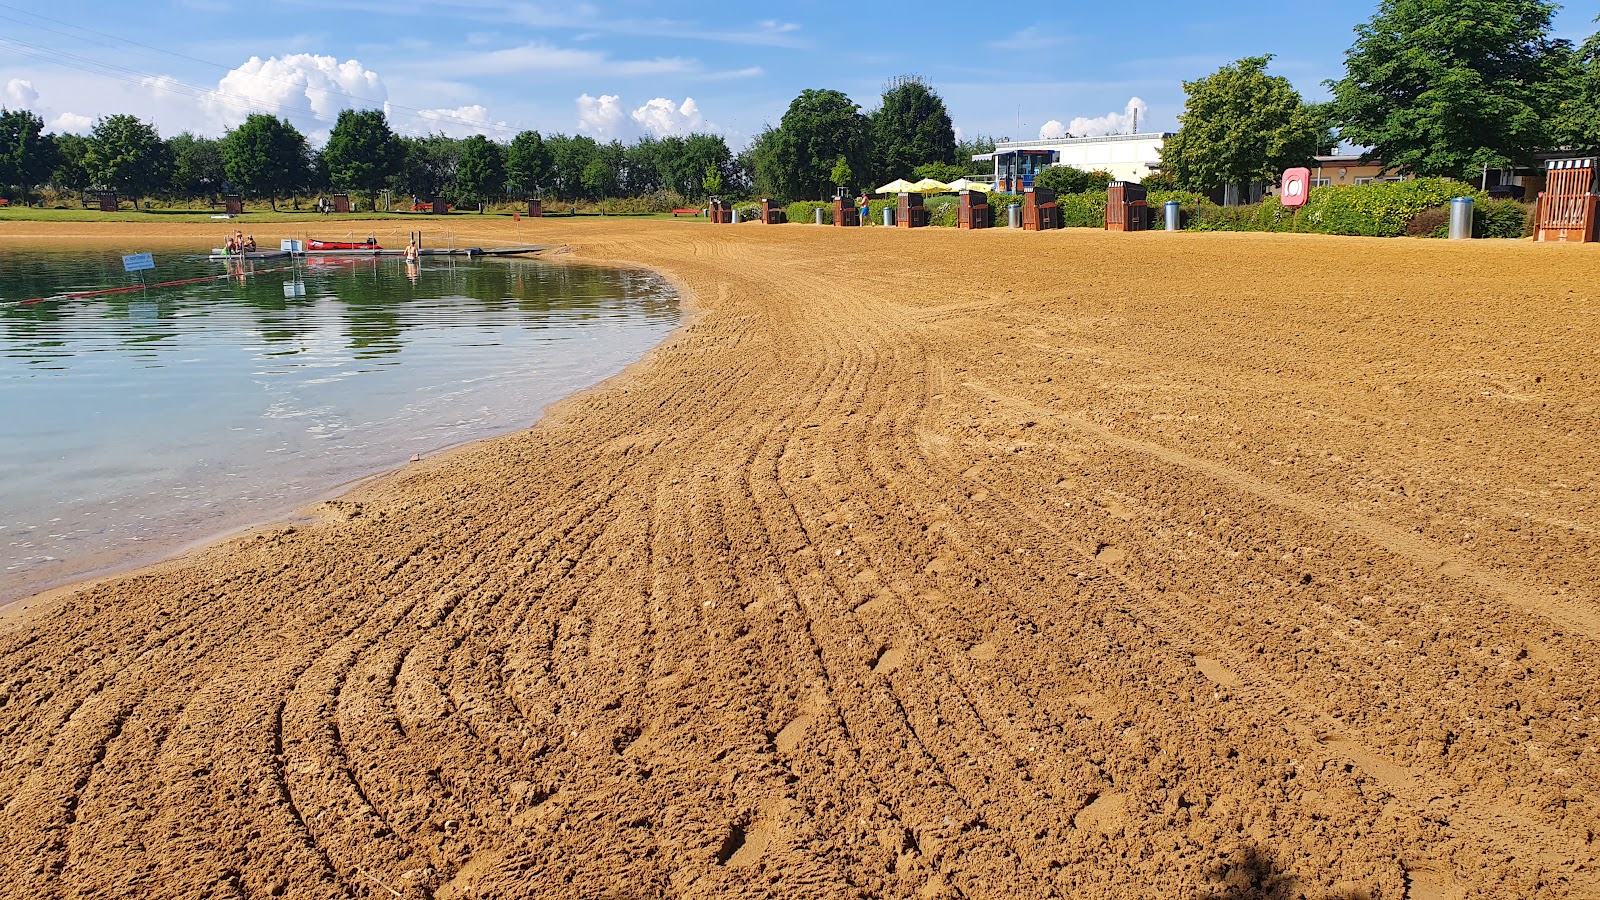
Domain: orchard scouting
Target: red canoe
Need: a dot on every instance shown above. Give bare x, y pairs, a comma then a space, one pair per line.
370, 244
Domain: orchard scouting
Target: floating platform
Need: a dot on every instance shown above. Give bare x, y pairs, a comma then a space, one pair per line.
268, 255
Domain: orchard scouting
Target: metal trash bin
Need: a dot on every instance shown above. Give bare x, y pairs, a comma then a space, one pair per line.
888, 217
1014, 215
819, 215
1174, 215
1461, 219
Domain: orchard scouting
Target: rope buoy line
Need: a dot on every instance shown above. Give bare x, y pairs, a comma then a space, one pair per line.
80, 295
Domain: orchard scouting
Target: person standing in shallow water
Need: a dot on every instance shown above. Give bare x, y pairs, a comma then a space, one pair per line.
412, 251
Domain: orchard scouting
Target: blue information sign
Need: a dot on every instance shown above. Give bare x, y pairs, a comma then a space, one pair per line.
138, 262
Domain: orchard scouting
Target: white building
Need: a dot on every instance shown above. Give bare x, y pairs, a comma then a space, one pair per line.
1128, 157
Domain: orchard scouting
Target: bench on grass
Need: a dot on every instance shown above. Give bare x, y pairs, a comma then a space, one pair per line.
686, 212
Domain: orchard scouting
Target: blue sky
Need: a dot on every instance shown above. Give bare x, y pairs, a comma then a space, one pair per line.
621, 68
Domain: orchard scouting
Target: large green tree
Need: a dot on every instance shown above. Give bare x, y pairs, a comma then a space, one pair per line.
362, 152
569, 157
197, 168
27, 154
127, 156
266, 156
756, 167
819, 127
428, 167
911, 129
1446, 87
1577, 114
527, 163
72, 167
1240, 125
481, 173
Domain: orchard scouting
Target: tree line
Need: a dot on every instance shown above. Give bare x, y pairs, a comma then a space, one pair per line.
823, 139
267, 157
1430, 88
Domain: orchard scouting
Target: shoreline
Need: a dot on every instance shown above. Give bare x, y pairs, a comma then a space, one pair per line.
201, 540
909, 563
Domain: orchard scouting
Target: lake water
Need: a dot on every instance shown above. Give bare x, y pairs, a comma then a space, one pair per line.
135, 424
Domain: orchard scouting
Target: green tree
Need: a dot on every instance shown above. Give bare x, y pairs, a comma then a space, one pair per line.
646, 164
569, 157
1446, 87
197, 169
819, 127
711, 182
362, 153
27, 154
1577, 114
71, 171
938, 171
841, 174
527, 163
911, 128
428, 168
266, 156
684, 161
481, 173
126, 155
755, 171
1240, 125
1071, 180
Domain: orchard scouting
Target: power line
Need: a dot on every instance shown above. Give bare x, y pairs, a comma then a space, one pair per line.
97, 67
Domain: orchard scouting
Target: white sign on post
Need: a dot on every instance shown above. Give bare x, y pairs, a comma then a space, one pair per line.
138, 262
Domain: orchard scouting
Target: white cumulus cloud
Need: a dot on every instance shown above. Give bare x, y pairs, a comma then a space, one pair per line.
661, 117
19, 94
463, 121
608, 117
1113, 123
307, 89
71, 123
601, 117
1052, 130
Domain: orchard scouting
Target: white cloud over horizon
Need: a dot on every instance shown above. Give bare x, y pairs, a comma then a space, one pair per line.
19, 94
1134, 112
463, 121
307, 89
606, 117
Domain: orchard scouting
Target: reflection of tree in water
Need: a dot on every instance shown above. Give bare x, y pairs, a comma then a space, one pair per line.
373, 301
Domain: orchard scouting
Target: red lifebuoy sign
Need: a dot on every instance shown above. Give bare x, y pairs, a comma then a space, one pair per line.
1296, 187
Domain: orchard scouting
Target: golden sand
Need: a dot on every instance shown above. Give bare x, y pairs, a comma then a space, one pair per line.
917, 564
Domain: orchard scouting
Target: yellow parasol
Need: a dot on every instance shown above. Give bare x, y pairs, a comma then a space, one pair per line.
930, 186
897, 186
967, 184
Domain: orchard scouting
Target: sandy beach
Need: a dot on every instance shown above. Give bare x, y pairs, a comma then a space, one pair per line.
916, 564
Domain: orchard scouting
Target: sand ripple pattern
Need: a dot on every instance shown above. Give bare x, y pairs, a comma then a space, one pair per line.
916, 565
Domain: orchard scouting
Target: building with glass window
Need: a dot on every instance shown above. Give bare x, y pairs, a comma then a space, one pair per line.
1128, 157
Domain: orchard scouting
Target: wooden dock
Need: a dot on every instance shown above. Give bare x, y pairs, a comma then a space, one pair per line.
270, 255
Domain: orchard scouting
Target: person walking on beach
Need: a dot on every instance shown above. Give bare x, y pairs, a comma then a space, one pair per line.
866, 208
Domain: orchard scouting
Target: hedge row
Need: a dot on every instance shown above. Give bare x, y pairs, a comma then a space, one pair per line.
1391, 209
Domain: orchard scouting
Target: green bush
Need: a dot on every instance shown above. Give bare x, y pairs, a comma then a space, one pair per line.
1430, 223
1087, 210
944, 211
1502, 219
748, 212
1379, 210
1188, 204
804, 212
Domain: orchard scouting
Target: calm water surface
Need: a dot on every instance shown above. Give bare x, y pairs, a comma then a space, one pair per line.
135, 424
